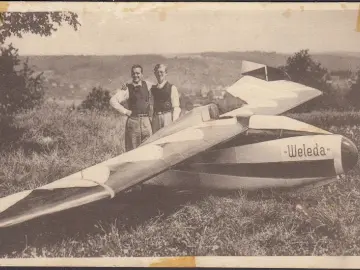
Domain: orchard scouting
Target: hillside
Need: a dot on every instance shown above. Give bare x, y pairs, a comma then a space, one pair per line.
72, 77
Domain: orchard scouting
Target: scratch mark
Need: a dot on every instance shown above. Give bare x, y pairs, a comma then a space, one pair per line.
161, 10
4, 6
287, 13
162, 14
175, 262
133, 9
358, 21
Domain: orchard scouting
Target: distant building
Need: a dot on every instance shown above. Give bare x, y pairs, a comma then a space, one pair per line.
218, 94
48, 73
335, 77
204, 91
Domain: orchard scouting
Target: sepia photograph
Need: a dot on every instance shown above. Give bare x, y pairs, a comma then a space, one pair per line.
199, 132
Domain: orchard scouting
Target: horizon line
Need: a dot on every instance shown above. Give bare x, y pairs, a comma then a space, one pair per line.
194, 53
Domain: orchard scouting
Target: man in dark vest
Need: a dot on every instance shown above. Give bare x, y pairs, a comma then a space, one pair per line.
166, 100
138, 96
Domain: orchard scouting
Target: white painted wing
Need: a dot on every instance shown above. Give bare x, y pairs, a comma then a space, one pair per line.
269, 97
119, 173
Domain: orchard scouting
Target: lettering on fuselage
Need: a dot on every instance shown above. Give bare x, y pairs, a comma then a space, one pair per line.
294, 151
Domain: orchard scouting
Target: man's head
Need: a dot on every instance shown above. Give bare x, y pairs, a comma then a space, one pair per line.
160, 71
136, 73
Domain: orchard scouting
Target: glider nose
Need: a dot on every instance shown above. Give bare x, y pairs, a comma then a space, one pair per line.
349, 154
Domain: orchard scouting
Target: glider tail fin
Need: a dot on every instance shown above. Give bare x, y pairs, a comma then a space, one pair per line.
268, 91
263, 72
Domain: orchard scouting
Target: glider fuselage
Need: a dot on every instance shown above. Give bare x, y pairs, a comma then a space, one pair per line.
295, 155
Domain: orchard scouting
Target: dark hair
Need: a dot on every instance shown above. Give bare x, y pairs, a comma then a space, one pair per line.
137, 66
157, 66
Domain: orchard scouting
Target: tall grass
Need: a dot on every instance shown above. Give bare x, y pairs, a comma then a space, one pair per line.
329, 118
56, 141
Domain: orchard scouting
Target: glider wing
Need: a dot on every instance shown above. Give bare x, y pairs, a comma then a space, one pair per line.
120, 173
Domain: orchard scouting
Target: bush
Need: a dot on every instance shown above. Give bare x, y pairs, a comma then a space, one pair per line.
20, 87
329, 100
304, 70
328, 119
97, 99
354, 93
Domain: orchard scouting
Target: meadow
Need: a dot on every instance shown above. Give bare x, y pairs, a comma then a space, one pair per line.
54, 141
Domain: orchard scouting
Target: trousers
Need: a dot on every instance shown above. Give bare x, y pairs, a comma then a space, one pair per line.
161, 120
138, 129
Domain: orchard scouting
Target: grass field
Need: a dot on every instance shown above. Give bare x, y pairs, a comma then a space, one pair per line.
53, 141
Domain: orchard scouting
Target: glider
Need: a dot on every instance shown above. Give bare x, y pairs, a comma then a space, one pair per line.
251, 146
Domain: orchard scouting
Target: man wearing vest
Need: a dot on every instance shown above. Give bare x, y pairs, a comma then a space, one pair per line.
138, 95
166, 100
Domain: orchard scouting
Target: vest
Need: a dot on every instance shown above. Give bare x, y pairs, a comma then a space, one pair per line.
162, 98
139, 97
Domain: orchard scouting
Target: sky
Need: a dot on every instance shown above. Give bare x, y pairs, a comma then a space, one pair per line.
201, 28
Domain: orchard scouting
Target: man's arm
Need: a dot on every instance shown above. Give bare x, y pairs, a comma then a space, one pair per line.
175, 101
117, 99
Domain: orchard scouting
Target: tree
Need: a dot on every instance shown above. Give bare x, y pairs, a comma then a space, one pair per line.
303, 69
97, 99
38, 23
186, 102
20, 87
210, 95
354, 94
